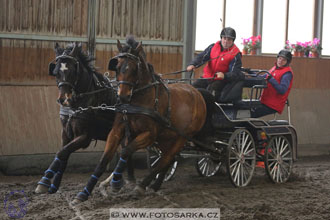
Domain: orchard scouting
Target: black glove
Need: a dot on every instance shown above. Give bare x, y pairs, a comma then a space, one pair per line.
269, 76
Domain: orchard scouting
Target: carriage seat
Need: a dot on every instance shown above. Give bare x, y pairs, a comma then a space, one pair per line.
247, 104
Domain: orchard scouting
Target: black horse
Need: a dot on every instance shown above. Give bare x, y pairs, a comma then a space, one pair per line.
80, 85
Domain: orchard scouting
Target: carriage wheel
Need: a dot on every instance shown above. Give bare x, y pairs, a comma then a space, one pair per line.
153, 156
207, 167
278, 159
241, 157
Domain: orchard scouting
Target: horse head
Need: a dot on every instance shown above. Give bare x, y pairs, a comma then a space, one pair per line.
130, 67
68, 71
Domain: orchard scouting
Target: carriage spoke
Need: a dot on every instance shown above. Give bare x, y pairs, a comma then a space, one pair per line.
285, 154
235, 168
236, 179
236, 162
155, 161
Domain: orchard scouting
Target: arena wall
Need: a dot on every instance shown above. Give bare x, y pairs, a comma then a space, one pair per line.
29, 119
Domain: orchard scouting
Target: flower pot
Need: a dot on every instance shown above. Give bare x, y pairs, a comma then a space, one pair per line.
298, 53
253, 52
244, 52
315, 54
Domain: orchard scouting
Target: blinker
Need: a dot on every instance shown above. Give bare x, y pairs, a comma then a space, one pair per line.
51, 68
113, 64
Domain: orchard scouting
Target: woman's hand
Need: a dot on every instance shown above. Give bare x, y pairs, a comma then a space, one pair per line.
190, 68
219, 75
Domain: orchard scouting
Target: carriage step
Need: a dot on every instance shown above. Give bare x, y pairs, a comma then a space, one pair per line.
278, 122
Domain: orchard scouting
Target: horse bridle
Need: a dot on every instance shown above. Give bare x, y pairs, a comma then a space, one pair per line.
52, 67
114, 61
154, 82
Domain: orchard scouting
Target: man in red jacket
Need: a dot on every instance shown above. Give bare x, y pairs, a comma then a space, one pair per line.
279, 84
222, 74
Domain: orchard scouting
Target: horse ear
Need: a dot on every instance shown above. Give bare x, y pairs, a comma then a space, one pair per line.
56, 46
119, 45
142, 55
75, 49
140, 51
57, 49
139, 47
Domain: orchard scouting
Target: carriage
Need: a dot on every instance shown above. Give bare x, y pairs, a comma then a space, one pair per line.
165, 116
240, 142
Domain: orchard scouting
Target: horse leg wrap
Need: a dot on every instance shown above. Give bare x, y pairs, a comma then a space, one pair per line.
57, 179
117, 173
46, 179
83, 196
53, 168
117, 181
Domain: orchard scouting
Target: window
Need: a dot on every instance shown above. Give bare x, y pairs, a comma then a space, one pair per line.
273, 27
326, 29
301, 17
240, 18
208, 22
240, 15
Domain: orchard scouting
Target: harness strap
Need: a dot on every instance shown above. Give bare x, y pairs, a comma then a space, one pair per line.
146, 86
133, 109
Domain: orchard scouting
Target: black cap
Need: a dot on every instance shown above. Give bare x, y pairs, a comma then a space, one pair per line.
286, 54
228, 32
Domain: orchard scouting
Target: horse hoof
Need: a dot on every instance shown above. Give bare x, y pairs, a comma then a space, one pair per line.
41, 189
52, 189
116, 185
81, 197
153, 188
139, 190
76, 202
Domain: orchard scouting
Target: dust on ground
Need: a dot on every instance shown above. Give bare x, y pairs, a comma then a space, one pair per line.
305, 196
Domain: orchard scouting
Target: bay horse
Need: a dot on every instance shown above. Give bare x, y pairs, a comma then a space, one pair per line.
150, 111
80, 85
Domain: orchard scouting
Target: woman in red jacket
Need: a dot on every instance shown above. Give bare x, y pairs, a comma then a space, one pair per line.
279, 84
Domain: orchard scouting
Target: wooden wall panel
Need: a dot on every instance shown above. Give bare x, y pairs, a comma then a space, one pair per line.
29, 120
165, 59
44, 17
145, 19
26, 61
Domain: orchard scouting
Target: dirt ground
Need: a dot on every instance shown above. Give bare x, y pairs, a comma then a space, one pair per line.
305, 196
